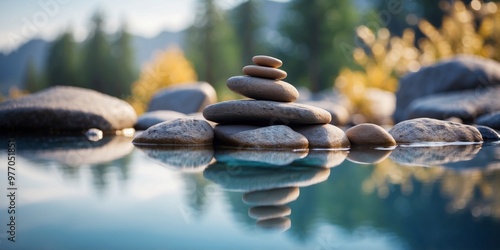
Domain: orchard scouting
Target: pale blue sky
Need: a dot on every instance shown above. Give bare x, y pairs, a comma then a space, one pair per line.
26, 19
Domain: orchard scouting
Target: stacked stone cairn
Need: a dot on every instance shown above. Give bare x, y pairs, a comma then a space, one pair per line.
271, 119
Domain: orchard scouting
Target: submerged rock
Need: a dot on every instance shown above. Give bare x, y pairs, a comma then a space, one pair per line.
369, 134
488, 133
66, 108
432, 130
185, 131
324, 136
469, 73
184, 98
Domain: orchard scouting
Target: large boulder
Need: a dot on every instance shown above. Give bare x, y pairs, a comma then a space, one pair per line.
432, 130
66, 108
462, 72
184, 98
466, 105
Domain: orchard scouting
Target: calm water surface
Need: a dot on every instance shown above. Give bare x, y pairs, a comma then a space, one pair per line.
73, 193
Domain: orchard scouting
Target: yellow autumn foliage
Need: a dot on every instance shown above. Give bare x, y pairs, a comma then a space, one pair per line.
169, 67
473, 29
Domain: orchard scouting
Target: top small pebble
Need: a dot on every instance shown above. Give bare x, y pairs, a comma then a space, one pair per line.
267, 61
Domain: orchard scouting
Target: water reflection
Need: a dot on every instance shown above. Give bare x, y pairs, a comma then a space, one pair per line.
322, 158
266, 189
242, 157
434, 155
367, 155
182, 158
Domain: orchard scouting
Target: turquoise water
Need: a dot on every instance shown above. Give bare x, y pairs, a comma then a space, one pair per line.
73, 193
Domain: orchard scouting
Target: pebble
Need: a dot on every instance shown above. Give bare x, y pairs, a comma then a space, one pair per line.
263, 89
265, 113
432, 130
264, 72
267, 61
324, 136
185, 131
488, 133
278, 196
278, 136
369, 134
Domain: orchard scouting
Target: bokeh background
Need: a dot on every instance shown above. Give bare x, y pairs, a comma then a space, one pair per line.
131, 49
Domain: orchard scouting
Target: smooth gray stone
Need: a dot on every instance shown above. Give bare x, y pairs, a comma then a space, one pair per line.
324, 136
66, 108
263, 89
184, 98
466, 105
149, 119
181, 131
273, 137
462, 72
265, 113
490, 120
432, 130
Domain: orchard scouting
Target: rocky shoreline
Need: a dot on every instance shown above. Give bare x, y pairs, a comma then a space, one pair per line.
275, 116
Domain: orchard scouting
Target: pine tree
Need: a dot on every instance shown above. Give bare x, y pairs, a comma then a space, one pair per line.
32, 82
248, 22
314, 33
61, 63
211, 45
124, 67
98, 61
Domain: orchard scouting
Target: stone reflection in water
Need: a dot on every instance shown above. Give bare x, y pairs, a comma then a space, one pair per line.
242, 157
267, 190
74, 151
473, 189
435, 155
182, 158
322, 158
367, 155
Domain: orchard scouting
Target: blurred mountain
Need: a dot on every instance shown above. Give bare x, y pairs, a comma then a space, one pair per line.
12, 65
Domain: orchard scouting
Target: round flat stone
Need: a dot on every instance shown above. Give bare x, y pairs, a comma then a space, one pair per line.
265, 113
278, 196
264, 72
263, 89
267, 61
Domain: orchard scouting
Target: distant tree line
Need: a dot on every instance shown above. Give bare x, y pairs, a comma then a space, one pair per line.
101, 63
314, 38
